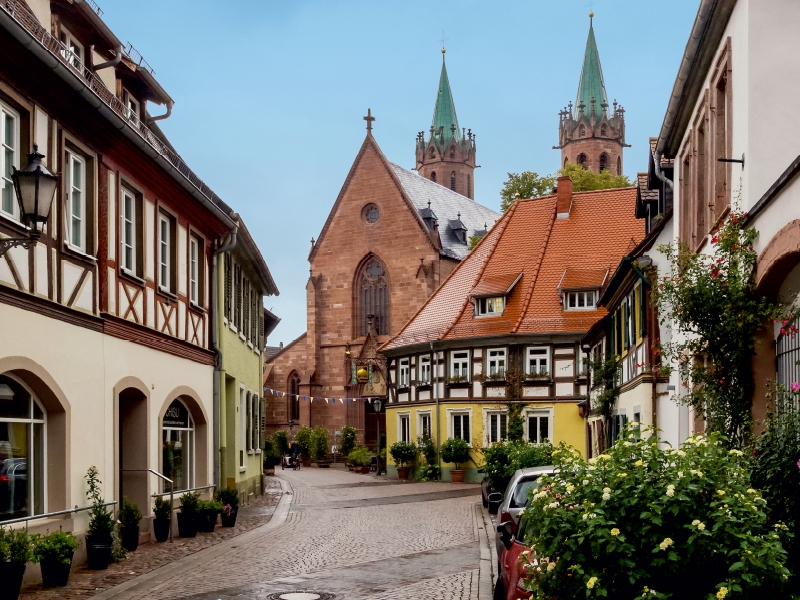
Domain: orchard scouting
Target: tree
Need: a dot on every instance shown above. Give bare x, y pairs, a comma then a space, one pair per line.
584, 180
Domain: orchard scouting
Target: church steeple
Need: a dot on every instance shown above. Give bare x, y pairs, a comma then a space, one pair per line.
448, 155
589, 133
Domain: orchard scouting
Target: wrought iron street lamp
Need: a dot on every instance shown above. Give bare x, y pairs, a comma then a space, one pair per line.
35, 188
376, 405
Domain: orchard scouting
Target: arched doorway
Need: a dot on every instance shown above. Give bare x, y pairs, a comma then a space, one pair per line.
132, 442
183, 440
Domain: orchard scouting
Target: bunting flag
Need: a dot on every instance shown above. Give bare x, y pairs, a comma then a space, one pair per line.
297, 397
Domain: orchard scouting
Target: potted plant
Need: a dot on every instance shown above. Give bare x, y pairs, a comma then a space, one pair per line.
162, 511
403, 453
319, 446
272, 455
99, 542
281, 442
207, 515
348, 440
187, 518
129, 517
54, 553
360, 458
456, 451
303, 439
229, 498
15, 553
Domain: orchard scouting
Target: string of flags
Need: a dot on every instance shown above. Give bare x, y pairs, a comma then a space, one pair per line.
301, 398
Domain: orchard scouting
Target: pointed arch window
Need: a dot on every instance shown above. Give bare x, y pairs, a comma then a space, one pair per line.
603, 131
582, 160
582, 131
432, 153
433, 176
619, 165
452, 152
372, 285
294, 398
453, 181
469, 187
603, 162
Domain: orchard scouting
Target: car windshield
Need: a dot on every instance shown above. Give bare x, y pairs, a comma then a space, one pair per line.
520, 496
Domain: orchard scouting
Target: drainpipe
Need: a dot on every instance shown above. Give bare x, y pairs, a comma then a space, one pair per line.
110, 63
166, 115
214, 342
436, 397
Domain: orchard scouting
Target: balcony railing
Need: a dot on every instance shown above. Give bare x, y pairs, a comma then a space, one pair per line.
94, 6
134, 55
22, 15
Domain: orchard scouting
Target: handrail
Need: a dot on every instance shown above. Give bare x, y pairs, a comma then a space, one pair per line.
194, 489
171, 486
26, 520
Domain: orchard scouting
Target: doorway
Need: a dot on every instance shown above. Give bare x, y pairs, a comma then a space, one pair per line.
132, 448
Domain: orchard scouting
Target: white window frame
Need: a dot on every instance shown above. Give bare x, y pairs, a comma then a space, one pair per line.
572, 300
72, 160
7, 111
492, 306
493, 426
164, 253
537, 412
496, 361
127, 242
422, 416
535, 351
404, 427
424, 370
69, 42
404, 372
456, 358
452, 413
194, 270
581, 362
132, 105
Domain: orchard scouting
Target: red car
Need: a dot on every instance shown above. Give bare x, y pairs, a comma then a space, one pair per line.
508, 586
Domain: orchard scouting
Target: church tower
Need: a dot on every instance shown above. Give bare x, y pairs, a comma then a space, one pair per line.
448, 157
588, 133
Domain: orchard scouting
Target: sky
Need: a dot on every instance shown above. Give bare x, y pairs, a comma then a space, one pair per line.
269, 95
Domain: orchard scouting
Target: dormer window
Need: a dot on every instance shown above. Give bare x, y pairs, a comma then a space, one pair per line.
74, 49
489, 307
585, 300
131, 105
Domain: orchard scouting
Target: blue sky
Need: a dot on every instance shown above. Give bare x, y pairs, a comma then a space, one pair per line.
269, 96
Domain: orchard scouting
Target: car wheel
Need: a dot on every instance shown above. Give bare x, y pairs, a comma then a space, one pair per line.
499, 590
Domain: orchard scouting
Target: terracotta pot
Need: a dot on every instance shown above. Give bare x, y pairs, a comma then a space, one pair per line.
54, 572
229, 521
306, 461
365, 470
98, 551
402, 473
161, 529
457, 475
269, 472
129, 538
11, 576
187, 525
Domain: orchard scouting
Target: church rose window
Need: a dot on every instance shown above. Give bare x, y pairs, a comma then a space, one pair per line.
370, 213
373, 291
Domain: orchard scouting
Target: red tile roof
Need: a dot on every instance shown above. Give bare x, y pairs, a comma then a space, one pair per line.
530, 239
583, 279
498, 285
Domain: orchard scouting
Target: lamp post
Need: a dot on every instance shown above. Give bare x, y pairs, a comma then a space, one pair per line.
376, 404
35, 188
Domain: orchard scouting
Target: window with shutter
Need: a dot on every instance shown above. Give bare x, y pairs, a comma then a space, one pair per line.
260, 332
228, 288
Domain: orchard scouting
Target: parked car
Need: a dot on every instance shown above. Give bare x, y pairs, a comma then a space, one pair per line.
510, 574
515, 498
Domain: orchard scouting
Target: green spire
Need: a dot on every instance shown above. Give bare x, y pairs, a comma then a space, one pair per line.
591, 84
444, 114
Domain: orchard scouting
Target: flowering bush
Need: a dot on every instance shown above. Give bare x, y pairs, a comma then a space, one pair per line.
641, 521
502, 459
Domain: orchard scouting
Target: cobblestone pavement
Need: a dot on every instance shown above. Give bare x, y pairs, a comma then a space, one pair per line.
84, 583
353, 536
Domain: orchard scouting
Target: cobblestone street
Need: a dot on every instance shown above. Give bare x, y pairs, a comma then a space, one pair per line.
346, 535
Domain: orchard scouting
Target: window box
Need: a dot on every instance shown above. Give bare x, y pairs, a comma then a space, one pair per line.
457, 379
495, 378
538, 376
424, 386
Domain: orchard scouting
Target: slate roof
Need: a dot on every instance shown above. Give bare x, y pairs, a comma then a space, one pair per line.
446, 204
530, 239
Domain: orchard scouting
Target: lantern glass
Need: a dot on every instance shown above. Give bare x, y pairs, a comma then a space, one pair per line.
36, 188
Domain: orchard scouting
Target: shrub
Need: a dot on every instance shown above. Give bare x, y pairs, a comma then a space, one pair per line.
281, 442
348, 440
101, 520
427, 448
228, 496
403, 453
129, 513
428, 473
319, 443
272, 455
190, 503
213, 506
359, 457
456, 451
15, 546
57, 545
501, 460
640, 521
162, 509
303, 439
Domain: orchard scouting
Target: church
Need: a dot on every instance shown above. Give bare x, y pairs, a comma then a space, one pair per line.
391, 238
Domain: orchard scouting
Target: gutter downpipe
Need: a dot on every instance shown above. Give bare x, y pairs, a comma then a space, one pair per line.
110, 63
166, 115
436, 397
215, 345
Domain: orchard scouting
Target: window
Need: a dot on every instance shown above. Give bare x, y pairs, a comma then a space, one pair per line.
538, 361
618, 423
433, 174
76, 202
582, 160
469, 187
72, 51
248, 431
579, 300
582, 132
538, 427
128, 232
177, 446
370, 213
453, 181
22, 460
373, 289
603, 131
9, 134
486, 307
424, 370
603, 161
294, 396
432, 154
402, 375
404, 428
722, 138
452, 152
459, 366
459, 423
497, 362
582, 362
497, 426
619, 165
165, 244
242, 408
229, 287
424, 426
131, 105
194, 270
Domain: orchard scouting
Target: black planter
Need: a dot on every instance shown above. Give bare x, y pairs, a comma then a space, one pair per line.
54, 572
161, 529
129, 536
206, 521
229, 521
98, 551
11, 576
187, 525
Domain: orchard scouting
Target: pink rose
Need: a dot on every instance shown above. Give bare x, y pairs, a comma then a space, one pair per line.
794, 386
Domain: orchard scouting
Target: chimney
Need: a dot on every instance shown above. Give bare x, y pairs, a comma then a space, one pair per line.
564, 197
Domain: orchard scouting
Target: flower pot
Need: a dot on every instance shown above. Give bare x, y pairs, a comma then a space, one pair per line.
11, 576
306, 461
457, 475
161, 529
402, 473
229, 520
269, 471
98, 551
187, 525
54, 572
206, 521
365, 470
129, 537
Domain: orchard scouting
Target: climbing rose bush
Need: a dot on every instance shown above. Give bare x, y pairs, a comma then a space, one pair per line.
641, 521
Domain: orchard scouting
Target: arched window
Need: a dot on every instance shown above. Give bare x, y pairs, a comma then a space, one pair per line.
433, 176
294, 398
452, 152
619, 165
582, 160
566, 160
469, 187
603, 131
453, 181
372, 286
432, 153
22, 435
603, 162
177, 445
582, 131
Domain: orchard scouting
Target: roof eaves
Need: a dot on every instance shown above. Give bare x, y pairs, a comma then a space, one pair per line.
287, 346
257, 259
